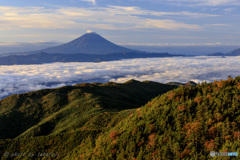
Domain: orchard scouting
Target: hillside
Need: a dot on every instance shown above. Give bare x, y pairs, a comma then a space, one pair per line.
186, 123
72, 113
101, 121
189, 83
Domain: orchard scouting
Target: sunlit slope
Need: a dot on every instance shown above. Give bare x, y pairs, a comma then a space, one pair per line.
186, 123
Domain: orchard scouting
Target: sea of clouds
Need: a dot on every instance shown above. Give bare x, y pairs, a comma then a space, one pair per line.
23, 78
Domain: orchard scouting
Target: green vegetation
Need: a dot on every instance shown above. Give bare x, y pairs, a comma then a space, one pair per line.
60, 120
102, 121
186, 123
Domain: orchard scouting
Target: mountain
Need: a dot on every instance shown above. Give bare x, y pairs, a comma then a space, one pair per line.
90, 47
105, 121
235, 52
89, 43
189, 83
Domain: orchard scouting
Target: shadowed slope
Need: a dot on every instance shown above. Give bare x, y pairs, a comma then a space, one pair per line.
60, 110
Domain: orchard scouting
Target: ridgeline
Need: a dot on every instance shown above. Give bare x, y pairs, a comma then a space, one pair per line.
106, 121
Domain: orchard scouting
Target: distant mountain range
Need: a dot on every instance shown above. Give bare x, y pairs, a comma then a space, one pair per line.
189, 83
90, 47
42, 57
235, 52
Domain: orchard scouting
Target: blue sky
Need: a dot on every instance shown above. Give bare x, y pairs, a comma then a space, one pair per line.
134, 22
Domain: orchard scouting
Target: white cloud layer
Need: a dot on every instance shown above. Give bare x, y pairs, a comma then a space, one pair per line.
22, 78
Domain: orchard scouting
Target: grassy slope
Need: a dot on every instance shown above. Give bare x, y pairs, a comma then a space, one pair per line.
58, 120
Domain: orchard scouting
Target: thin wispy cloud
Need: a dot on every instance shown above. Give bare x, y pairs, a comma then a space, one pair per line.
229, 9
138, 11
112, 17
205, 2
91, 1
22, 78
56, 20
167, 24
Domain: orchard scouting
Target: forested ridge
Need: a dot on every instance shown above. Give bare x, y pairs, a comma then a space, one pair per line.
184, 123
59, 120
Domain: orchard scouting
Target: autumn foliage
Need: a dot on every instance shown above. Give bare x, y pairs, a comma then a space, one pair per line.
212, 131
210, 145
198, 100
237, 135
151, 140
113, 135
181, 107
171, 95
191, 128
